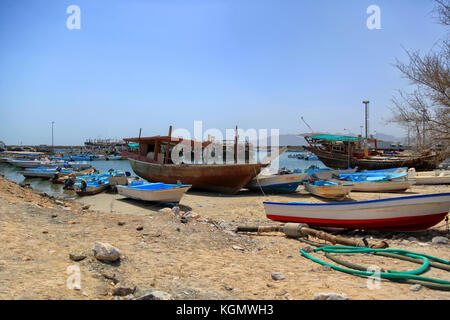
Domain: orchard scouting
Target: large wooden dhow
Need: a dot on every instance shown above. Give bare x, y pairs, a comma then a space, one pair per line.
342, 152
152, 161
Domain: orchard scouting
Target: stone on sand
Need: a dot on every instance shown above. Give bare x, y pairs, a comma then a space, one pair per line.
330, 296
155, 295
439, 240
105, 252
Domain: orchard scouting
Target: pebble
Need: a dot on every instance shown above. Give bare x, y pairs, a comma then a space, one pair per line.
278, 276
439, 240
238, 248
229, 288
155, 295
54, 215
77, 257
308, 249
123, 288
166, 211
416, 287
330, 296
140, 228
120, 223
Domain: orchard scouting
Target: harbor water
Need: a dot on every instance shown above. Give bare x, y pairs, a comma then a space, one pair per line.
13, 173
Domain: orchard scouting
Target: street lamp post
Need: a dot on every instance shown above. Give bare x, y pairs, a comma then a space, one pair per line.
52, 136
366, 102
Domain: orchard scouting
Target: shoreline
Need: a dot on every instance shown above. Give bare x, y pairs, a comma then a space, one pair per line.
201, 258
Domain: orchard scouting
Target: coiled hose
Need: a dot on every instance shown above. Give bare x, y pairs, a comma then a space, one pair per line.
412, 276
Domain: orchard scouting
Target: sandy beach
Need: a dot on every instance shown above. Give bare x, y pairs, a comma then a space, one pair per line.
198, 259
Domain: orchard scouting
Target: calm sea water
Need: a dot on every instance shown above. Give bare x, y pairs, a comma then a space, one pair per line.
13, 173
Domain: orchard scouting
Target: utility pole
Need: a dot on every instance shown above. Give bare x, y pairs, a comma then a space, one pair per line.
52, 137
366, 102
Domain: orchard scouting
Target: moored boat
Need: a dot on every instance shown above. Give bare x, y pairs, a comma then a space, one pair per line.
284, 183
409, 213
340, 152
430, 177
325, 174
152, 161
91, 187
377, 182
158, 192
328, 189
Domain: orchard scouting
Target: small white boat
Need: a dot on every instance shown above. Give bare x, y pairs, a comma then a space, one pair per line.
328, 189
285, 183
158, 192
430, 177
25, 163
409, 213
381, 186
40, 173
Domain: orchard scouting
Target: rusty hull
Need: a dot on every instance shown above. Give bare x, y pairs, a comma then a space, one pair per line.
222, 178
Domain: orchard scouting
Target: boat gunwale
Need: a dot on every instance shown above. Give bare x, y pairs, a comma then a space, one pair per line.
203, 165
358, 202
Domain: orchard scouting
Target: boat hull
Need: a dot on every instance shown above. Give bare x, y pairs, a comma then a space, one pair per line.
380, 186
165, 195
285, 183
91, 190
222, 178
41, 175
430, 177
329, 192
410, 213
341, 161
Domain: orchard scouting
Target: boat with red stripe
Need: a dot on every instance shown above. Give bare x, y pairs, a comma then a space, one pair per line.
410, 213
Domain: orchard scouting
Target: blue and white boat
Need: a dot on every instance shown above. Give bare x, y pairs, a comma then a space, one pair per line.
158, 192
279, 183
377, 182
91, 186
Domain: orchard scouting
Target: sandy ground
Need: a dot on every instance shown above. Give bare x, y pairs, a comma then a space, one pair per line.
194, 260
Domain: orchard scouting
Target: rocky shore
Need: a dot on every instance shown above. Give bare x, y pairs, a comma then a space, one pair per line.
107, 247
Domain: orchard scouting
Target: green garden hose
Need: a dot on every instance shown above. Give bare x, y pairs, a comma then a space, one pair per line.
389, 274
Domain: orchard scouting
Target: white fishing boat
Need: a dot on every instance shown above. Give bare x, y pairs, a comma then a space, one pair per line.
377, 181
158, 192
328, 189
430, 177
285, 183
381, 186
40, 173
25, 163
409, 213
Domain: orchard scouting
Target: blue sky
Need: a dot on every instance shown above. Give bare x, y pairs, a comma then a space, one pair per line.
252, 63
